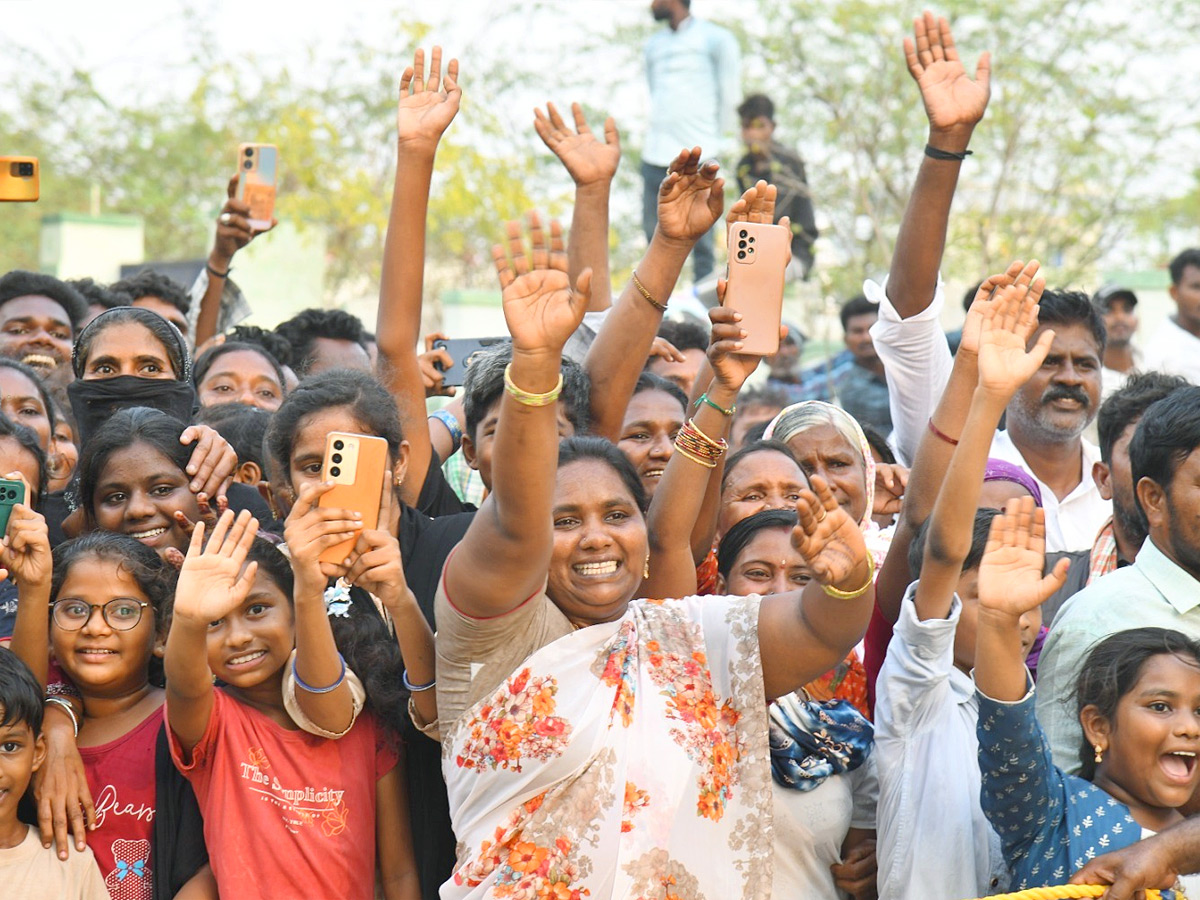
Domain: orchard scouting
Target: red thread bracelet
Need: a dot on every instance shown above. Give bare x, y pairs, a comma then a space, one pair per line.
941, 434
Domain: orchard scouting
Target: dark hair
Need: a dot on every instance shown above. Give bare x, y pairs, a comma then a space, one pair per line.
752, 447
1189, 257
756, 106
126, 427
1125, 406
1166, 435
242, 426
763, 395
969, 296
648, 381
163, 331
576, 449
303, 329
979, 538
53, 410
1073, 308
272, 562
20, 693
878, 443
367, 399
484, 385
148, 283
19, 283
275, 344
856, 306
1112, 668
683, 334
739, 536
29, 441
97, 294
206, 359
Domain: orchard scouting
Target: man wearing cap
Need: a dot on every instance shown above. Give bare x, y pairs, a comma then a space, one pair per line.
1121, 358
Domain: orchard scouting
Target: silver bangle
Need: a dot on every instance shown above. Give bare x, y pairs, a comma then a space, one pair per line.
60, 702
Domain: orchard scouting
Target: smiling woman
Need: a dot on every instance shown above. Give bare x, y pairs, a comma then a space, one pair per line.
652, 420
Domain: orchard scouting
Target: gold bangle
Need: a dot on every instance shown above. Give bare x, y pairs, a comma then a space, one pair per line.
525, 398
696, 459
641, 289
853, 595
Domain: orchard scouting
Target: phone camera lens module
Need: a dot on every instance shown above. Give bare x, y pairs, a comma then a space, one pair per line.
335, 471
741, 254
248, 165
337, 457
752, 240
249, 151
743, 233
338, 445
25, 170
741, 245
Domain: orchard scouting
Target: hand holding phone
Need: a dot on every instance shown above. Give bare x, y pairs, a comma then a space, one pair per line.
758, 258
356, 464
12, 492
462, 352
257, 172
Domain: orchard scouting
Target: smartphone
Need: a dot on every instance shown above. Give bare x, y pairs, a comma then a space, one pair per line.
20, 178
463, 352
356, 464
758, 257
257, 170
11, 493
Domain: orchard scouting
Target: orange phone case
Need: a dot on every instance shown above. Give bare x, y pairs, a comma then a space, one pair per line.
257, 170
20, 177
758, 256
356, 464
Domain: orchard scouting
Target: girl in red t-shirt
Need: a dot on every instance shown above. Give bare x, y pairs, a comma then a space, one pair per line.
286, 813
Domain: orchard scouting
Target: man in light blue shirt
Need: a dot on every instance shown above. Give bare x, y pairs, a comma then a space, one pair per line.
1161, 589
694, 71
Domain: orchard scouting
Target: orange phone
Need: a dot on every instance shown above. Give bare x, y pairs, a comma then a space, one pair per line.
758, 257
257, 170
356, 464
19, 178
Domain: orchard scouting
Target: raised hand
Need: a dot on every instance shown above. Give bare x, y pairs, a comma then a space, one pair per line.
1010, 576
730, 368
540, 306
427, 107
25, 549
310, 530
828, 539
1017, 271
212, 582
587, 159
1005, 326
954, 102
233, 228
691, 197
757, 204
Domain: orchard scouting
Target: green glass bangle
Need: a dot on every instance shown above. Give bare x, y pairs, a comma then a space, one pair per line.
704, 398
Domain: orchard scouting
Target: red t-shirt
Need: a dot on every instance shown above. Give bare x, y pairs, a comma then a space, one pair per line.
121, 777
287, 813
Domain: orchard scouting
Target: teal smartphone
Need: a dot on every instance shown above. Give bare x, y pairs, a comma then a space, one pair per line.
11, 493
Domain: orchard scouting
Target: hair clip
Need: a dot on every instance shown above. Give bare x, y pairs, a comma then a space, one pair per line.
337, 599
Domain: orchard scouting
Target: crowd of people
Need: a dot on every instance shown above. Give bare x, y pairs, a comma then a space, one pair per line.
892, 627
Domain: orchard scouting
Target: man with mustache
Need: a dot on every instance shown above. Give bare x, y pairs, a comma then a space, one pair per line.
1045, 421
38, 317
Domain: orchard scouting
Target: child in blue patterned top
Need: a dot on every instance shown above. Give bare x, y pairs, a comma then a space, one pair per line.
1138, 698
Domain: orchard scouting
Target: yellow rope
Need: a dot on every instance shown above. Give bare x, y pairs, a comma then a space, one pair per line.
1062, 892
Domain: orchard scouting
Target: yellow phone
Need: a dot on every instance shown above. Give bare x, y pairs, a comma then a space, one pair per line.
20, 179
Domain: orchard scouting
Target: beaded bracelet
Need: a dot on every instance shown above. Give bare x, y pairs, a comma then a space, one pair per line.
415, 688
853, 595
316, 690
698, 446
704, 398
641, 289
525, 398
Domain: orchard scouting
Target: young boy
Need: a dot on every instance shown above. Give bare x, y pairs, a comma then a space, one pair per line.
28, 870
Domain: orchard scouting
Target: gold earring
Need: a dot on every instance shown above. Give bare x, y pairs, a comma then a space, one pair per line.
1099, 753
646, 569
399, 480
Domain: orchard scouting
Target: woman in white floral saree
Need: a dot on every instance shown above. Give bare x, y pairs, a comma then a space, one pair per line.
593, 746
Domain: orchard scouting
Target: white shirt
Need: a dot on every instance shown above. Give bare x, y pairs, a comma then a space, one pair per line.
811, 826
1071, 523
917, 363
933, 838
1174, 351
695, 81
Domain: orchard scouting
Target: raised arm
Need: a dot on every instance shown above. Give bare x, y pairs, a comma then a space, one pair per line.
592, 164
1004, 365
425, 111
802, 634
954, 104
211, 585
511, 537
689, 202
1011, 585
25, 555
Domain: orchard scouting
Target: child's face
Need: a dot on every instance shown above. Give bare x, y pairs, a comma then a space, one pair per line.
252, 643
101, 657
968, 620
138, 493
1157, 724
21, 753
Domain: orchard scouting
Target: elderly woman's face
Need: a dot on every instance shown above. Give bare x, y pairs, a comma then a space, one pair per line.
766, 479
127, 348
823, 450
600, 545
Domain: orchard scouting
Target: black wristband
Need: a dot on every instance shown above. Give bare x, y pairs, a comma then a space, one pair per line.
212, 271
934, 153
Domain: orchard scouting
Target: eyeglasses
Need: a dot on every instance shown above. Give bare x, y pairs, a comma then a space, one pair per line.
121, 614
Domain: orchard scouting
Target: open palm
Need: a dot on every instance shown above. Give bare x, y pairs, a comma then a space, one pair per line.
426, 112
1010, 575
829, 540
586, 158
211, 581
691, 197
952, 99
1006, 323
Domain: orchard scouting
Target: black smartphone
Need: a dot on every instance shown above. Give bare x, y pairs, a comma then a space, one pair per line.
11, 493
462, 353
